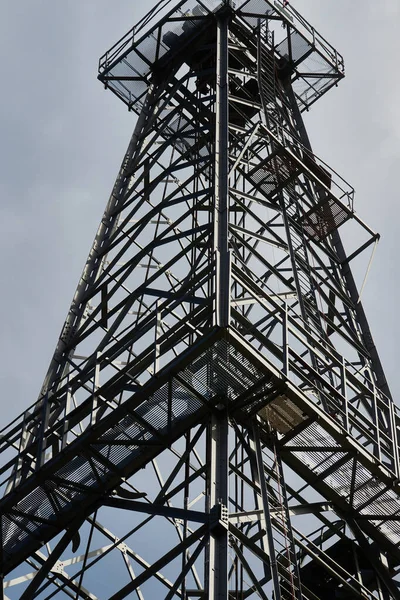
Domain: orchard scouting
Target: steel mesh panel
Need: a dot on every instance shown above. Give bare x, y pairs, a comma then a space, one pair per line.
184, 406
253, 6
257, 398
221, 370
127, 429
249, 372
129, 91
299, 46
326, 217
387, 503
341, 479
274, 173
344, 477
266, 74
366, 489
55, 493
309, 92
148, 48
199, 374
126, 69
336, 480
10, 529
313, 434
173, 33
265, 179
38, 499
133, 65
130, 66
258, 7
303, 90
35, 503
390, 529
118, 454
320, 461
226, 378
26, 525
78, 474
370, 496
77, 470
155, 410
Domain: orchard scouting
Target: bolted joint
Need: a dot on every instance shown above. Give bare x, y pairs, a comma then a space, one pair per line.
219, 519
220, 404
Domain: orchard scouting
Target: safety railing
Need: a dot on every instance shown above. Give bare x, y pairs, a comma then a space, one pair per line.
343, 390
146, 28
317, 169
96, 385
298, 22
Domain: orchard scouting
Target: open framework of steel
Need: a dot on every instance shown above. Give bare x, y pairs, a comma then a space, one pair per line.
215, 422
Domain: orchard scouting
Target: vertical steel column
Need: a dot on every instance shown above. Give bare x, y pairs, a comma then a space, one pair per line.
218, 434
221, 207
218, 497
218, 441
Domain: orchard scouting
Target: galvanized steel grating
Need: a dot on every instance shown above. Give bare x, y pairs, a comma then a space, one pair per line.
221, 370
350, 479
274, 173
325, 218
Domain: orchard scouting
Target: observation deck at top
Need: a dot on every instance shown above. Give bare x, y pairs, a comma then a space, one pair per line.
129, 66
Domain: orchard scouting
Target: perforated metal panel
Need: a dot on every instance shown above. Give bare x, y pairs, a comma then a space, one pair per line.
326, 217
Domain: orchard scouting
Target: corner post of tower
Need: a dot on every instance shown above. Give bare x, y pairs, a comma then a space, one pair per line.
217, 575
221, 173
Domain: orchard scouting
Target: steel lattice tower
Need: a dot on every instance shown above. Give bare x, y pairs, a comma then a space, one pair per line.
215, 422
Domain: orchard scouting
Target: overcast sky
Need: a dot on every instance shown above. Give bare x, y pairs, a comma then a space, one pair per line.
63, 137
